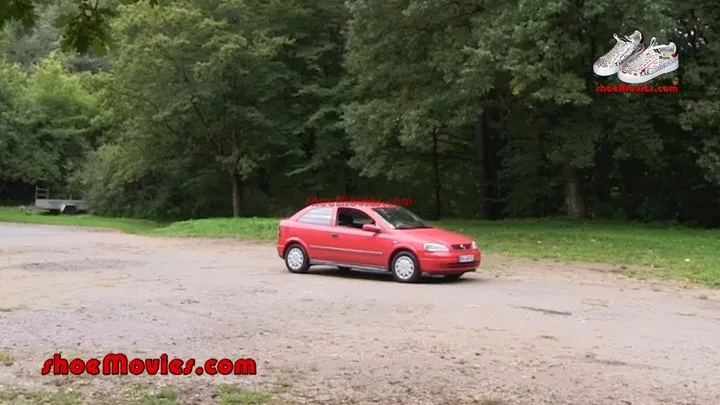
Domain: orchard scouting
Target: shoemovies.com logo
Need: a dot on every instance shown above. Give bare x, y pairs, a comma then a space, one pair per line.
361, 201
629, 88
636, 61
119, 364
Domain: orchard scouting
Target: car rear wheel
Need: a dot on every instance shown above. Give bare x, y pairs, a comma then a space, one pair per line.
405, 268
296, 259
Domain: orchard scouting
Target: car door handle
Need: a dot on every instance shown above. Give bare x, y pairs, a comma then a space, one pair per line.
334, 235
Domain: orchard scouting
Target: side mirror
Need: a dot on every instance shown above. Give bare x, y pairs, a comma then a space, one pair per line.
371, 228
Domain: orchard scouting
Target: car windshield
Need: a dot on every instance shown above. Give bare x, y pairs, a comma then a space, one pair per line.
401, 218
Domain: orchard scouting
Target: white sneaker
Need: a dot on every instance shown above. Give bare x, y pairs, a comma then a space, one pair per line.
624, 50
655, 61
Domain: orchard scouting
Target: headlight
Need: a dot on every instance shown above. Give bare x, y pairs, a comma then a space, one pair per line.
435, 247
474, 245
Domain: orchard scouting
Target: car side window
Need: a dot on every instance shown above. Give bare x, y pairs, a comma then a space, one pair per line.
352, 218
317, 216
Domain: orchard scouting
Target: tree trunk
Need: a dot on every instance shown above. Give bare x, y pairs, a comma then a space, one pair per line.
492, 166
264, 182
481, 183
237, 191
602, 181
350, 183
573, 194
436, 175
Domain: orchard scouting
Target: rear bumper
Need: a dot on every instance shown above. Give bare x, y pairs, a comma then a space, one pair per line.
448, 263
280, 251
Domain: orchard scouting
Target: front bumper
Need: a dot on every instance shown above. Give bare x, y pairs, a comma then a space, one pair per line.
448, 262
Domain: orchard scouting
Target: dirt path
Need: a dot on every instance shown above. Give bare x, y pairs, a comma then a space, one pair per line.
521, 331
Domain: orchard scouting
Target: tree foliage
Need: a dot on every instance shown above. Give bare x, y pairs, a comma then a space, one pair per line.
190, 108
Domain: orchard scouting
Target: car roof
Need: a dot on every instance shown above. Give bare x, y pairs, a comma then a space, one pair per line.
353, 205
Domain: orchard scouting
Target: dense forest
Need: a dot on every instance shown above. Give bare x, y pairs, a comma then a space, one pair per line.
475, 109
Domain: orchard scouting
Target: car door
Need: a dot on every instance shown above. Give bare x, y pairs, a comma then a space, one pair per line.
315, 229
355, 246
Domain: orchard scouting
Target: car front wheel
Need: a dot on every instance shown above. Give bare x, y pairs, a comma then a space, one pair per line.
405, 268
296, 260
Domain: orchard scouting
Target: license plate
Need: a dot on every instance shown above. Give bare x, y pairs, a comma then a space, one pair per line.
466, 259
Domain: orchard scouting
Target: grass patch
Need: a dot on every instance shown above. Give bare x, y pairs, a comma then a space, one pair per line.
132, 394
163, 397
673, 251
14, 214
136, 394
6, 359
282, 386
250, 228
24, 397
231, 395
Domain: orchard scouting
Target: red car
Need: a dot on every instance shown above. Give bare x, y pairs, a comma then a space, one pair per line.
373, 237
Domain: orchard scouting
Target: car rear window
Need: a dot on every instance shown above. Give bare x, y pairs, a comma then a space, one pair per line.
317, 216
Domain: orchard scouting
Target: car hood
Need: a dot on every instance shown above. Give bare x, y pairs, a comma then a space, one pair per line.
436, 235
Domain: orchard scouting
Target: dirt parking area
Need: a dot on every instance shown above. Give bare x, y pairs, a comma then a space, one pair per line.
517, 332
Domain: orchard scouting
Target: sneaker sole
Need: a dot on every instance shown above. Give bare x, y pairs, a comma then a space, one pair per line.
644, 79
605, 71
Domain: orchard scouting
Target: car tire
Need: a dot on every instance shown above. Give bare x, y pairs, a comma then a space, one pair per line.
68, 210
453, 277
405, 268
296, 259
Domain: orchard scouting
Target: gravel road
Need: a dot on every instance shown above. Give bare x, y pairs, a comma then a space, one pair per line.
520, 331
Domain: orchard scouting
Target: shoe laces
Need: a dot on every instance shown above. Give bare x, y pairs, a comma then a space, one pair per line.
622, 42
650, 53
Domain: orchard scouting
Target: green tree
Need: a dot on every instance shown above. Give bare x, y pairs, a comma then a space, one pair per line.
200, 84
47, 125
85, 26
417, 91
317, 147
